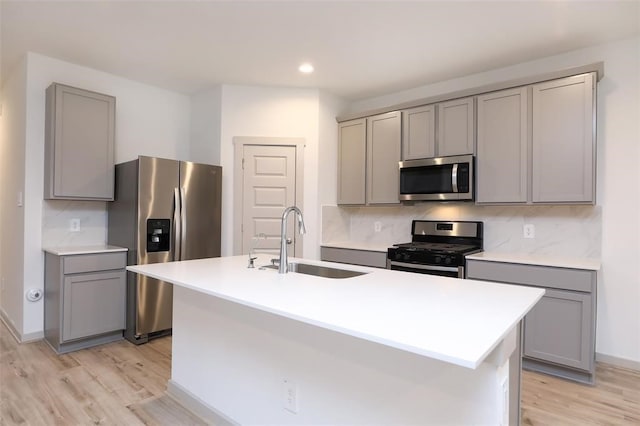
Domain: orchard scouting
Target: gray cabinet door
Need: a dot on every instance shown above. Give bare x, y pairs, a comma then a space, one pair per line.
456, 129
352, 145
383, 155
93, 304
558, 329
80, 134
418, 133
563, 142
501, 162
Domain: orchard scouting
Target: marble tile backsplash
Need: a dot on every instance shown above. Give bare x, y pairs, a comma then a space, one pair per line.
559, 230
56, 217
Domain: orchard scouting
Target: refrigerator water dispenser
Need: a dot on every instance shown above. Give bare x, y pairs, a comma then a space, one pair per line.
158, 235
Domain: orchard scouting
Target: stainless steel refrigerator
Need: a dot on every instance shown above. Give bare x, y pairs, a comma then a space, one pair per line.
164, 210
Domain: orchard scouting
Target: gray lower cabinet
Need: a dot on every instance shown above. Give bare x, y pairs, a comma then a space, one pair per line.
85, 299
376, 259
559, 332
79, 144
558, 329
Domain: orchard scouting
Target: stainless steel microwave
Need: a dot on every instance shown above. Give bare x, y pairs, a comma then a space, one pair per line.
444, 178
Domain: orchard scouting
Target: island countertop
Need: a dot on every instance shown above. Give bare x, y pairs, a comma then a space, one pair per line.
448, 319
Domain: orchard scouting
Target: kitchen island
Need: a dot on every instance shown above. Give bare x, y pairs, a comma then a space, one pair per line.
387, 347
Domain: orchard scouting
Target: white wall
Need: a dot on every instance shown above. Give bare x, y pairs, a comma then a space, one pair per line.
206, 109
271, 112
618, 181
330, 107
149, 121
12, 158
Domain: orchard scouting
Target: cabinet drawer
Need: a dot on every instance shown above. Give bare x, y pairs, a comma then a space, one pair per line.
354, 257
94, 262
540, 276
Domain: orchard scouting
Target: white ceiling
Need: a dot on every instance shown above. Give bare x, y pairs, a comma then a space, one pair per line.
359, 48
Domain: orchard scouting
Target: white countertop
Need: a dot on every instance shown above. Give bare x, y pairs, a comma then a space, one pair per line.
540, 260
351, 245
72, 250
452, 320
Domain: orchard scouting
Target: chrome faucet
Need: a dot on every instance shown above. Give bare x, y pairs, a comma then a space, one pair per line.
283, 266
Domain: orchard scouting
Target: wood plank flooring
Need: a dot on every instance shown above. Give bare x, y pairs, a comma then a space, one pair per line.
123, 384
114, 384
614, 400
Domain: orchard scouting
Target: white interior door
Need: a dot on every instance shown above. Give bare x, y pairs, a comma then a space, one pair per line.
269, 186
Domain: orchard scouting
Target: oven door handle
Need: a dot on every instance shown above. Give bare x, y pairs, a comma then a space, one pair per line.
425, 267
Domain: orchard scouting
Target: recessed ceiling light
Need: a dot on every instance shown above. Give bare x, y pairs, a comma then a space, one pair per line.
306, 68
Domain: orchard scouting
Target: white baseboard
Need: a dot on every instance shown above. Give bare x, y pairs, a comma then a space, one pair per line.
20, 338
197, 406
618, 362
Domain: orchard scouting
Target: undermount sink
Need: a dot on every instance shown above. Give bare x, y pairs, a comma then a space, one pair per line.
319, 271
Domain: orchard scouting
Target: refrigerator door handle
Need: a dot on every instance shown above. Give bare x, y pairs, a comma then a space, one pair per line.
183, 219
177, 224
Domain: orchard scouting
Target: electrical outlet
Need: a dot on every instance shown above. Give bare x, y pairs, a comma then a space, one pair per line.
74, 225
529, 231
377, 226
290, 394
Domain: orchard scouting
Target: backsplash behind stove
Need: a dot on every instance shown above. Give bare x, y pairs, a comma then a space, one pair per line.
559, 230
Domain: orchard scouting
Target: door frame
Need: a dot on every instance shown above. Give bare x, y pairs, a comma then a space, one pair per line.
239, 142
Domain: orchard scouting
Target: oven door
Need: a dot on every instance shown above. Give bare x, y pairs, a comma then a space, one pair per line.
444, 271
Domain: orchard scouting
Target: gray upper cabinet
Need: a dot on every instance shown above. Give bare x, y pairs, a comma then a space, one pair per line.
352, 145
383, 155
419, 133
563, 142
456, 127
79, 144
502, 159
368, 156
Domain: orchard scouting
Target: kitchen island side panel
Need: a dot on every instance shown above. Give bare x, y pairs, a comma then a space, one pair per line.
230, 357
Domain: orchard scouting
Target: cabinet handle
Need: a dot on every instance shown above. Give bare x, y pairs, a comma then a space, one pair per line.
177, 224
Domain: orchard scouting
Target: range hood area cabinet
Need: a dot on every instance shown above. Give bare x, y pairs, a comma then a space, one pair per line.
79, 144
536, 143
368, 156
454, 134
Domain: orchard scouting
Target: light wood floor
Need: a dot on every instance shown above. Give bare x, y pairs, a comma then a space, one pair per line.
114, 384
124, 384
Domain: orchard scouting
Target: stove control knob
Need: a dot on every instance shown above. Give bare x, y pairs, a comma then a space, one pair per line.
397, 256
447, 260
438, 259
406, 256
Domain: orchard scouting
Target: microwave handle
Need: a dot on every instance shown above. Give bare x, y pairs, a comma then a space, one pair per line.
454, 178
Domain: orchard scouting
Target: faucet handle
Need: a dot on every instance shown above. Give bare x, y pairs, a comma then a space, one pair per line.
251, 259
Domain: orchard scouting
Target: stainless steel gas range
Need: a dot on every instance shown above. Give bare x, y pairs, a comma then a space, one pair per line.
437, 248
